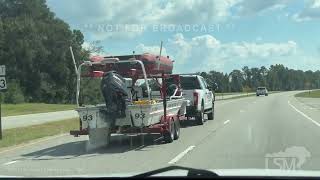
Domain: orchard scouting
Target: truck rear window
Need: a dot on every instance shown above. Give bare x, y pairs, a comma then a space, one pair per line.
189, 83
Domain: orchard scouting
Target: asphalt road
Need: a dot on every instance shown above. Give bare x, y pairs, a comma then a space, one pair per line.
242, 135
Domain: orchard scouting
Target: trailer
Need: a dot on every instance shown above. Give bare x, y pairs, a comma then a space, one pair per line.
126, 110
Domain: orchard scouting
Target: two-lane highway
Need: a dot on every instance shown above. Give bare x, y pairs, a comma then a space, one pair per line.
243, 133
264, 125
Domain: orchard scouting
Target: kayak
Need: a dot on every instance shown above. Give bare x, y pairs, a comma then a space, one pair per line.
152, 63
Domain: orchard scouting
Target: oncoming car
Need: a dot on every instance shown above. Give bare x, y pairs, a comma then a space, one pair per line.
262, 91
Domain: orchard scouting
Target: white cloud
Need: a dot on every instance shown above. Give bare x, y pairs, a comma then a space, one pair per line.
194, 11
158, 11
105, 19
310, 12
103, 11
260, 50
95, 17
205, 52
315, 4
181, 48
141, 48
86, 45
91, 47
249, 7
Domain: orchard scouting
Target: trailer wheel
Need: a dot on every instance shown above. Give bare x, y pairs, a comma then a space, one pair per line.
176, 130
169, 135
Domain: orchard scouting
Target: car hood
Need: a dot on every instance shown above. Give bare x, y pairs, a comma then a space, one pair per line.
220, 172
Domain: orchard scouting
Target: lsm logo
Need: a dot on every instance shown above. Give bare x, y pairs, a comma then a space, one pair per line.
291, 158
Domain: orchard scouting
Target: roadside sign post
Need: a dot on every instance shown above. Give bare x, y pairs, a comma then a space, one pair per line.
0, 119
3, 86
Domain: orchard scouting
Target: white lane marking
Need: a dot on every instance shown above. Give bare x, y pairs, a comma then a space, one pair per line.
8, 163
179, 156
32, 143
304, 115
241, 111
226, 122
49, 151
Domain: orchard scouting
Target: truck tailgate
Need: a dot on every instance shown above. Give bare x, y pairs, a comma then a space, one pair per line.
188, 95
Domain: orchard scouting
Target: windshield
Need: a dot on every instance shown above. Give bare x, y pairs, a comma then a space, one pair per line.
206, 84
189, 83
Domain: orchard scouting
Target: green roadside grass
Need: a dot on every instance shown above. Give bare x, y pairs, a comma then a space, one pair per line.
225, 94
309, 94
237, 97
22, 135
31, 108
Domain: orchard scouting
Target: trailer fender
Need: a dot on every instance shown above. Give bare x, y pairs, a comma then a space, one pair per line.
168, 121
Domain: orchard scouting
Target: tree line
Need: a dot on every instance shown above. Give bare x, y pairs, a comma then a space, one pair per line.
275, 78
34, 46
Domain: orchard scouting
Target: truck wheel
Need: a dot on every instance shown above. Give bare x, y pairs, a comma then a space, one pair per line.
200, 118
169, 135
211, 114
176, 130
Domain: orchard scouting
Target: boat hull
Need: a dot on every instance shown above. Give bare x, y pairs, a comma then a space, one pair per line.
149, 114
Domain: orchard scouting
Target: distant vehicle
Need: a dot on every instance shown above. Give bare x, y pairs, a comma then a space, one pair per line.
201, 98
262, 91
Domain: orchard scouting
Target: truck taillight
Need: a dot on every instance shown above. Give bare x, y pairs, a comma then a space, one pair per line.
80, 124
195, 98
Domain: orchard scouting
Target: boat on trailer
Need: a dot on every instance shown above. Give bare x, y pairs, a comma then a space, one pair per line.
161, 114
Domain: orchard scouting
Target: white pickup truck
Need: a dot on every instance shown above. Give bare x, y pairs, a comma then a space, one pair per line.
201, 99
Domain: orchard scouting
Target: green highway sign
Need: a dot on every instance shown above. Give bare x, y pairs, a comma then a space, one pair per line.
3, 83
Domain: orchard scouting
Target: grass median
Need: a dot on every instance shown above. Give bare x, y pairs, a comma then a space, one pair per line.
21, 135
31, 108
309, 94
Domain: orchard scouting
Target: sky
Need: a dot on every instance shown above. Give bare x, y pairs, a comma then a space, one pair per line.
202, 35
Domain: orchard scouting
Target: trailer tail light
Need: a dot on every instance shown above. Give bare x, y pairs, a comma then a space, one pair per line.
195, 98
